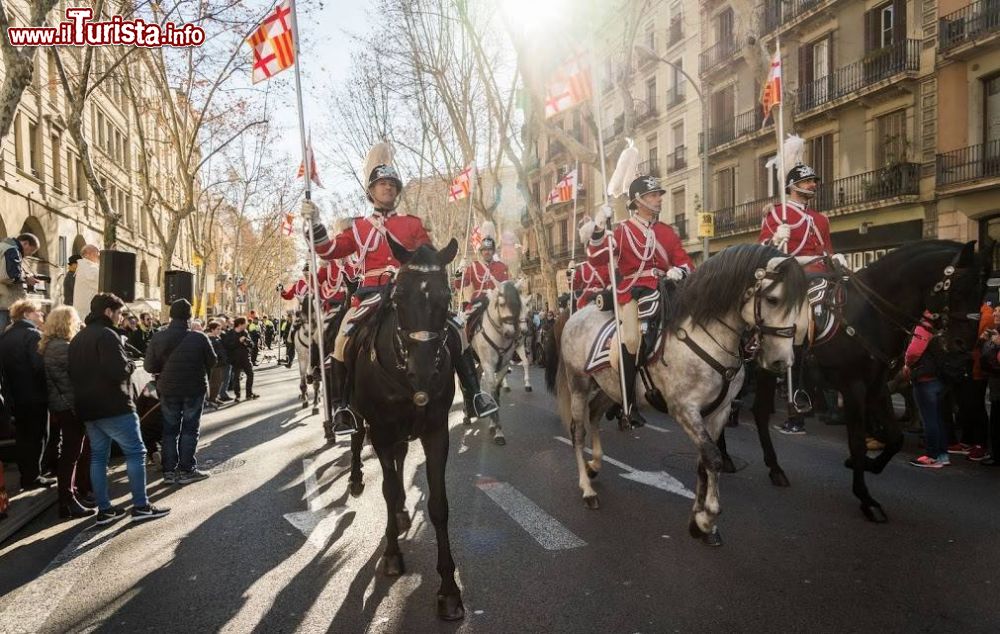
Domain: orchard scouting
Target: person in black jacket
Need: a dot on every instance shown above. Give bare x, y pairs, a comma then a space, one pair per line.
26, 391
219, 375
238, 346
101, 372
181, 359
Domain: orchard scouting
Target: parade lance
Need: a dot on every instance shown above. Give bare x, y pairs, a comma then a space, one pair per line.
572, 254
610, 234
313, 268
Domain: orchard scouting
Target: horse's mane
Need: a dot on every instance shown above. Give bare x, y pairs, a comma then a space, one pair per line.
716, 287
512, 297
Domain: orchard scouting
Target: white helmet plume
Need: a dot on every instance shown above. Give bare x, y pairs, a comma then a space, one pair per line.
625, 171
380, 154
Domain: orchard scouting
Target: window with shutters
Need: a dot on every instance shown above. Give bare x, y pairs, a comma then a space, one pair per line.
819, 155
57, 179
18, 143
723, 117
677, 202
654, 151
768, 179
725, 188
70, 175
991, 113
651, 93
891, 142
885, 25
724, 27
35, 148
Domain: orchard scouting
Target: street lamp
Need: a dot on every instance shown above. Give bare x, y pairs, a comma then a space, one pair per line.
645, 53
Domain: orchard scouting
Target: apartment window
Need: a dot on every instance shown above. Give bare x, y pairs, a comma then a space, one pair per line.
677, 132
891, 143
724, 27
653, 152
678, 78
819, 155
885, 25
991, 110
650, 36
768, 180
725, 188
101, 129
70, 177
723, 114
676, 23
57, 181
677, 202
651, 92
144, 221
53, 77
681, 226
564, 233
18, 143
35, 149
63, 255
81, 181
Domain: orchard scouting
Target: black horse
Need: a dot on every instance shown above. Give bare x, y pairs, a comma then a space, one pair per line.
403, 386
882, 304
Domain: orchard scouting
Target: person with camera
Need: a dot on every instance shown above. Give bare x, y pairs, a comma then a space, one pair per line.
13, 276
239, 348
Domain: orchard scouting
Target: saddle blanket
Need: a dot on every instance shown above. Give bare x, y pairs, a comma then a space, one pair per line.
365, 307
823, 296
600, 351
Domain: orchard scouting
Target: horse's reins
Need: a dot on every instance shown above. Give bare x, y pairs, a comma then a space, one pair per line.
501, 352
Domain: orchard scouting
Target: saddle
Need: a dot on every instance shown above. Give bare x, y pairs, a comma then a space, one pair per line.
826, 299
652, 315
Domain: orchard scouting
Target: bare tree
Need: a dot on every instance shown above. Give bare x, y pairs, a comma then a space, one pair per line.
18, 63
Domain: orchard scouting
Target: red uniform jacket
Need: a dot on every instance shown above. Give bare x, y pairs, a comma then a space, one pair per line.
365, 238
810, 231
484, 278
332, 282
644, 253
588, 281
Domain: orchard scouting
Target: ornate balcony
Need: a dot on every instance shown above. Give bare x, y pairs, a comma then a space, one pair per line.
646, 110
969, 164
677, 160
650, 167
972, 24
676, 32
742, 125
860, 76
675, 96
717, 54
783, 13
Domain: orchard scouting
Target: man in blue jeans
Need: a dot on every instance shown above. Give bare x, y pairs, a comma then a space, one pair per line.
181, 360
101, 372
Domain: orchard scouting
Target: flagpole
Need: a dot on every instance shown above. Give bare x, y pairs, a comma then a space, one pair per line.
468, 223
572, 252
313, 268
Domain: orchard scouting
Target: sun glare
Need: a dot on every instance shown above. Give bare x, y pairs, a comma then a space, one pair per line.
535, 15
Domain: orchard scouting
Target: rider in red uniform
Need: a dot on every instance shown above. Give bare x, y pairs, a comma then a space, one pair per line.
376, 268
795, 228
483, 275
645, 250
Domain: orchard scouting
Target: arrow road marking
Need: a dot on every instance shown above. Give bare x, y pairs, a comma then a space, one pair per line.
658, 479
316, 523
546, 530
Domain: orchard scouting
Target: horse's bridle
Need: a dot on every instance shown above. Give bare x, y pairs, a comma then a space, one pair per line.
437, 338
509, 320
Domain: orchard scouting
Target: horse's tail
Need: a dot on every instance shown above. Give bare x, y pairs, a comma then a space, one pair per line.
550, 351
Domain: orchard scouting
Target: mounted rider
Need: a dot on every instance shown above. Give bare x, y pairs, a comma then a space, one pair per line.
376, 268
483, 275
645, 250
589, 278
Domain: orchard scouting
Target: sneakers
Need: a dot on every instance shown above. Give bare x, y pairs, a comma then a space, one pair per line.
959, 448
791, 427
251, 396
109, 515
194, 475
977, 453
148, 512
170, 477
927, 462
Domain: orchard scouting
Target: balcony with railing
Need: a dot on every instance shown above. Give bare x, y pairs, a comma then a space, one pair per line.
676, 32
969, 165
785, 13
646, 110
717, 54
681, 226
677, 160
864, 76
839, 196
650, 167
614, 129
675, 96
976, 23
743, 125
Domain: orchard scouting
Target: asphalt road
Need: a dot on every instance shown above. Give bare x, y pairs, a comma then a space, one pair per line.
234, 554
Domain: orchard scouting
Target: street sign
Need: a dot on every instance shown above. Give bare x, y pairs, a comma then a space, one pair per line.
706, 225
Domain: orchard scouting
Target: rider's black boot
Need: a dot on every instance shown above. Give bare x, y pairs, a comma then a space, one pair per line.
477, 402
344, 421
632, 417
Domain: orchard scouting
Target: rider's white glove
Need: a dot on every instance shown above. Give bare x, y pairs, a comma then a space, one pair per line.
675, 273
840, 259
782, 234
586, 231
309, 210
602, 216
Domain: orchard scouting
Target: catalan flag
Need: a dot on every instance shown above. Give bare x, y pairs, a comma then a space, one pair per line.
272, 43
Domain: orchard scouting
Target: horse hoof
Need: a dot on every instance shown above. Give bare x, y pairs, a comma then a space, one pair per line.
392, 565
591, 473
694, 530
591, 502
356, 488
712, 539
450, 608
779, 479
500, 440
402, 522
874, 513
527, 388
727, 465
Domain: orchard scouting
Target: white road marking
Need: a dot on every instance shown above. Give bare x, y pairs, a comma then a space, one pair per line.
316, 523
29, 609
546, 530
662, 430
658, 479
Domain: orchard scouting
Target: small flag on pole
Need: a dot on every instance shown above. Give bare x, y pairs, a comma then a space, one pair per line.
287, 225
564, 189
313, 174
273, 48
461, 185
772, 88
570, 86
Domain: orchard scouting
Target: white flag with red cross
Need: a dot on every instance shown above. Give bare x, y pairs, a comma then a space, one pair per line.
272, 43
570, 86
564, 189
461, 185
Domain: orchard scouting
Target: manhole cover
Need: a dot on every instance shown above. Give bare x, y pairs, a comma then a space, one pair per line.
225, 465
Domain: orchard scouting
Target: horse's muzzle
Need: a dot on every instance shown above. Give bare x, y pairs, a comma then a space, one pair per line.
420, 399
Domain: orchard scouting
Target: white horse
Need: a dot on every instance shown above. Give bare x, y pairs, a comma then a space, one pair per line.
746, 289
494, 343
307, 334
525, 327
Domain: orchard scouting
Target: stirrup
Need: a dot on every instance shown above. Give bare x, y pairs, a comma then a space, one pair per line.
490, 408
345, 429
